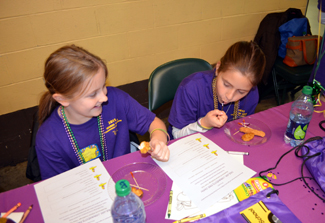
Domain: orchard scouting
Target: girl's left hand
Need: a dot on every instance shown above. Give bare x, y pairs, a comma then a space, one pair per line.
159, 150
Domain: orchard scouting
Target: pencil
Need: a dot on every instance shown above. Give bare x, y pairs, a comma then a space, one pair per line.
190, 218
26, 214
11, 210
170, 203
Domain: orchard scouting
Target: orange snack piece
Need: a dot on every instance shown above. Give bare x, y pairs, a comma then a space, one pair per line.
254, 131
137, 192
247, 137
144, 147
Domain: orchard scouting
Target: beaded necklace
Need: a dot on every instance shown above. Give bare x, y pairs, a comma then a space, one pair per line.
73, 140
215, 99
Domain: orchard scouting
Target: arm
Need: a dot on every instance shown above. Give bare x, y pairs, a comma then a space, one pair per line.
158, 140
213, 119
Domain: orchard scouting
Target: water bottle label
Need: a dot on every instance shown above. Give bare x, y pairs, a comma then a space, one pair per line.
296, 130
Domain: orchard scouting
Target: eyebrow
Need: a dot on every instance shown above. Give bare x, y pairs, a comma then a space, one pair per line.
233, 86
104, 85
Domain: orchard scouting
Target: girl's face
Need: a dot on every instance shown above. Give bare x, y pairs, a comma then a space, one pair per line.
232, 86
89, 104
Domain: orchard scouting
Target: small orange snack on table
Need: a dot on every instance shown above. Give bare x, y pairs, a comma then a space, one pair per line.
250, 130
144, 147
137, 191
247, 137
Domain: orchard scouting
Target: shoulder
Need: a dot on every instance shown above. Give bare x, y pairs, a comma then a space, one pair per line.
51, 128
202, 76
197, 80
116, 92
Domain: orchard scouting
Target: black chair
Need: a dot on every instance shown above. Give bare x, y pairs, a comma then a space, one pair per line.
164, 80
289, 78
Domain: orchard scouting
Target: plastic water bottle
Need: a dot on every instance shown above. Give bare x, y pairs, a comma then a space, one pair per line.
300, 115
127, 206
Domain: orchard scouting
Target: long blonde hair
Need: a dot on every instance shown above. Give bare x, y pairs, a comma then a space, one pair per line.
66, 70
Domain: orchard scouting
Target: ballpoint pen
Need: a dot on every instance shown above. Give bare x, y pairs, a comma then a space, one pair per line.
237, 153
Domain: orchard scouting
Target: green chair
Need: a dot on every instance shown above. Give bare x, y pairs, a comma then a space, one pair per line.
164, 80
289, 78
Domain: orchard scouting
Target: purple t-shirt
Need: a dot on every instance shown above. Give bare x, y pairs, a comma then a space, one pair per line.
120, 114
194, 99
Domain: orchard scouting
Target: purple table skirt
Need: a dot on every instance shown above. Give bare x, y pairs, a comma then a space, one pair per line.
304, 204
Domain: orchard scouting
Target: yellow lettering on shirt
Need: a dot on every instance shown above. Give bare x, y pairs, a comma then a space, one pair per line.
112, 125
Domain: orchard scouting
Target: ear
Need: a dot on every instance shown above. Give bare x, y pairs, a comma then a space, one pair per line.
61, 99
217, 67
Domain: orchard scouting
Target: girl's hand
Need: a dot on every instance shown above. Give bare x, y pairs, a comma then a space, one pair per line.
159, 150
214, 118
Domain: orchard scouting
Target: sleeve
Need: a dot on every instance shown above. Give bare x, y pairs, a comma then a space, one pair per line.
50, 161
187, 130
252, 101
139, 117
185, 107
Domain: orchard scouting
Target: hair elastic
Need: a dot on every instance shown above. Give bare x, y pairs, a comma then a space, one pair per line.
203, 127
168, 137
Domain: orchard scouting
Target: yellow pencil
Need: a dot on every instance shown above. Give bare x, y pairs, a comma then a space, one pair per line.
190, 218
170, 203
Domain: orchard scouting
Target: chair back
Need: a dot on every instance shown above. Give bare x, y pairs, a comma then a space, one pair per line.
164, 80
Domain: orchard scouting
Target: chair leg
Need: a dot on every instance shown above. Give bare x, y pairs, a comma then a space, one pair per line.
276, 87
284, 95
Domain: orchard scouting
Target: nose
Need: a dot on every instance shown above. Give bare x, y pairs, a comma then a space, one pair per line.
230, 95
102, 97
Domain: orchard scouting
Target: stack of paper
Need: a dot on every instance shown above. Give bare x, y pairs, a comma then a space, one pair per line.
78, 195
204, 171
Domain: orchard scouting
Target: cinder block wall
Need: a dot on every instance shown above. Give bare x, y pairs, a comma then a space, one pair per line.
132, 36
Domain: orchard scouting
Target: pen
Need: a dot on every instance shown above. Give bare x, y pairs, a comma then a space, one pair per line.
237, 153
26, 214
170, 203
11, 210
190, 218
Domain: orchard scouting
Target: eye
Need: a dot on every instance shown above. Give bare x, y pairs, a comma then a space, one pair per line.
241, 92
92, 95
226, 84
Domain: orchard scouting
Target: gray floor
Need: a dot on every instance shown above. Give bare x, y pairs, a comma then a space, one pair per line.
14, 176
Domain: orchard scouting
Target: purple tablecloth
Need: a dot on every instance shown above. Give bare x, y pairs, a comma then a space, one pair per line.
304, 204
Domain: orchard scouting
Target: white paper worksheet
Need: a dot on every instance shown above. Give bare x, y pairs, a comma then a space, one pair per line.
78, 195
203, 170
182, 206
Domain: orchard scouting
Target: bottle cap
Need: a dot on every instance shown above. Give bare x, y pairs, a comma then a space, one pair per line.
307, 90
122, 188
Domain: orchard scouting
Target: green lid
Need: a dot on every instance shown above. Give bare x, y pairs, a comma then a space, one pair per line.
307, 90
122, 188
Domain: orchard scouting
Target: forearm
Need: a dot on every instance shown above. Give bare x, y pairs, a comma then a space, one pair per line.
158, 134
187, 130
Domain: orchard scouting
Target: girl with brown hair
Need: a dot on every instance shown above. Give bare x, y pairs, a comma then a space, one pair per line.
82, 119
208, 99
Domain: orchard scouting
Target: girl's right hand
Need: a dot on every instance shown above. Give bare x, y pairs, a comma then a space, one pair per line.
214, 118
